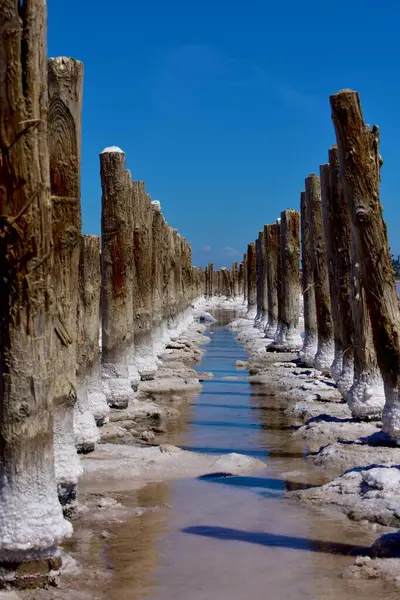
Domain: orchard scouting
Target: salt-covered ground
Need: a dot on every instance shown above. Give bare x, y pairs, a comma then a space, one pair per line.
369, 489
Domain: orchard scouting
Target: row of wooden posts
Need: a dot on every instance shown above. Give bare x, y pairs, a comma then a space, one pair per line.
350, 302
59, 289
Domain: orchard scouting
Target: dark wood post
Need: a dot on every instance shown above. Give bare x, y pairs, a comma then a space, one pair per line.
360, 161
272, 243
309, 349
241, 279
31, 520
287, 338
245, 278
325, 352
235, 279
259, 286
90, 387
115, 295
339, 222
264, 277
251, 280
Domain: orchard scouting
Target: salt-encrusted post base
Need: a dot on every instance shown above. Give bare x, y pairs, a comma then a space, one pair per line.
337, 364
85, 429
68, 468
96, 398
324, 356
309, 350
286, 340
366, 397
346, 379
146, 361
391, 415
271, 329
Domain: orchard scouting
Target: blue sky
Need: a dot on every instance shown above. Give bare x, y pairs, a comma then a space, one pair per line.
222, 106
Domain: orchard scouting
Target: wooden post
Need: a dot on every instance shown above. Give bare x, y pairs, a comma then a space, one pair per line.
71, 426
235, 279
272, 243
90, 387
240, 279
326, 201
245, 277
142, 298
31, 520
210, 280
325, 352
339, 248
264, 277
157, 276
116, 262
226, 283
259, 286
310, 345
251, 281
359, 157
287, 338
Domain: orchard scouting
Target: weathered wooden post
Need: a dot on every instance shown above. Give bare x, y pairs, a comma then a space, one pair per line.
310, 345
325, 352
326, 201
235, 279
251, 281
264, 276
259, 286
240, 279
90, 387
210, 280
340, 250
245, 277
287, 338
116, 263
65, 82
31, 520
373, 278
157, 276
272, 242
87, 355
225, 282
142, 298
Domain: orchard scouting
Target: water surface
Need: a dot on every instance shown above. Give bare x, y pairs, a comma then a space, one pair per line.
221, 537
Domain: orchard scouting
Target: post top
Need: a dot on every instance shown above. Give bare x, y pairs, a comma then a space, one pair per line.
111, 149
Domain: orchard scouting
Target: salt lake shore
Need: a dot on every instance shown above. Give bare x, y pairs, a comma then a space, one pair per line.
368, 487
100, 336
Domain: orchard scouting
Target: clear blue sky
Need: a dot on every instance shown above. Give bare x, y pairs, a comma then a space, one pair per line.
222, 106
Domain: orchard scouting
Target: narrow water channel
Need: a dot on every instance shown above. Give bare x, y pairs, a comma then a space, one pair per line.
219, 537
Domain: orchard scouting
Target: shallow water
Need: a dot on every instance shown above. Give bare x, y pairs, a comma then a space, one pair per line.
220, 537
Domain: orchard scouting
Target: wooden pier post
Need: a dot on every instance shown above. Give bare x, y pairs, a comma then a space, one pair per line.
310, 345
116, 307
325, 352
272, 243
251, 281
90, 387
31, 520
373, 279
287, 338
340, 252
